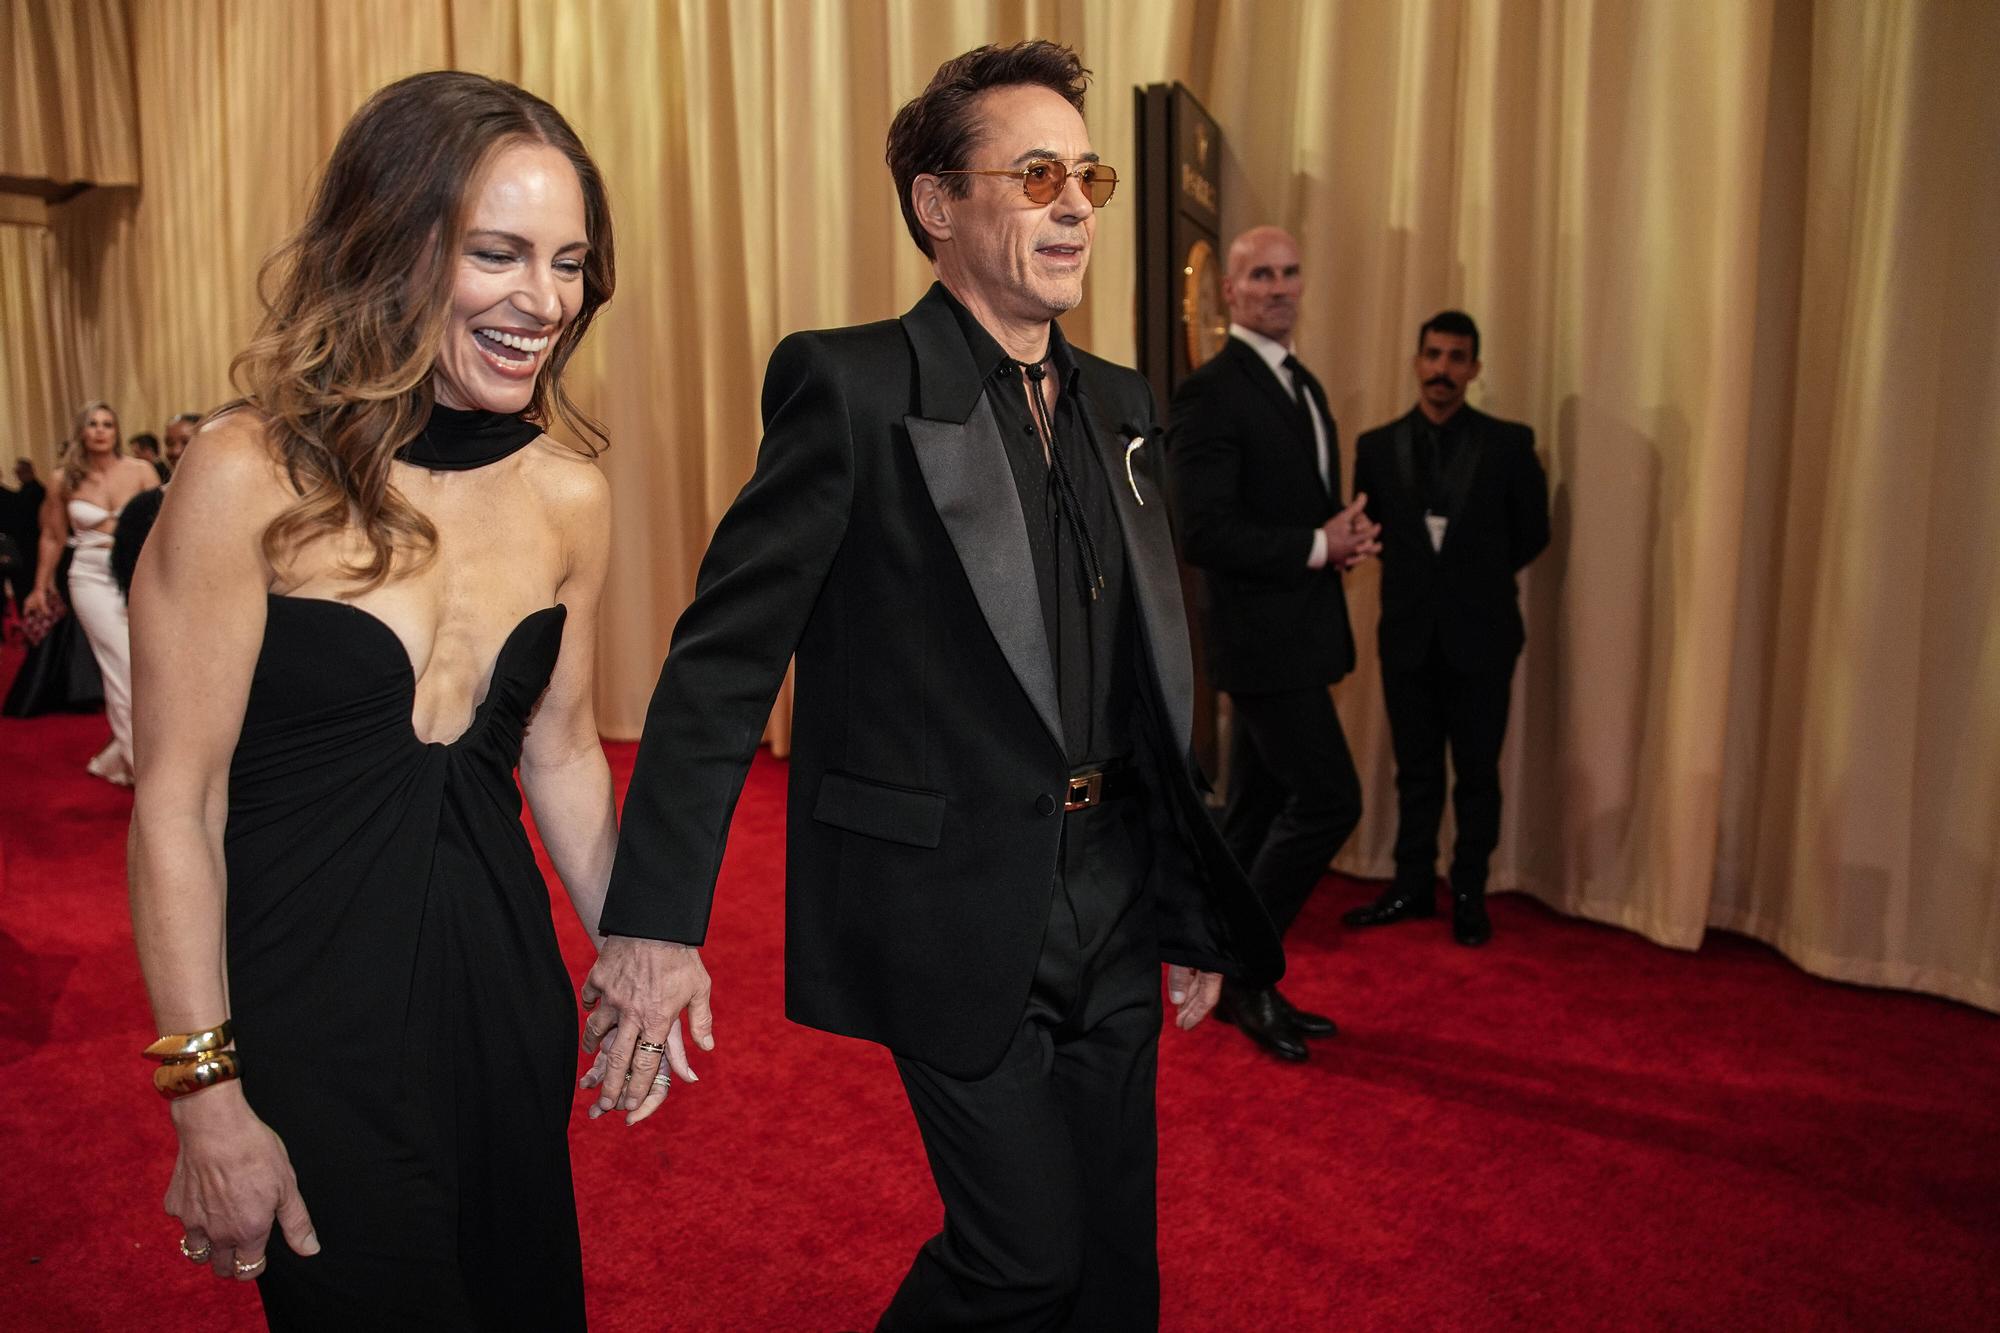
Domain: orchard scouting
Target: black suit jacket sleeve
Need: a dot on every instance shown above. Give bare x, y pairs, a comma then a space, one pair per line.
1527, 502
1217, 531
753, 595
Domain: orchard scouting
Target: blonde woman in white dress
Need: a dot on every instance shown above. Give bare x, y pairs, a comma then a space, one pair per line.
94, 480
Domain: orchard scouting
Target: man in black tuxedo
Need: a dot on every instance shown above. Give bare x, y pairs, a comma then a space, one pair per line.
21, 520
1256, 469
995, 834
1464, 506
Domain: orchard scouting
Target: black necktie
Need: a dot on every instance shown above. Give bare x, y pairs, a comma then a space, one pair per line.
1304, 386
1430, 466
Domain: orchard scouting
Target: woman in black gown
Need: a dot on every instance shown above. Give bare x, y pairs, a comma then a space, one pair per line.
371, 594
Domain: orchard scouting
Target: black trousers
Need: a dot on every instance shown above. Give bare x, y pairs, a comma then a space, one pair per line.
1047, 1165
1294, 796
1431, 707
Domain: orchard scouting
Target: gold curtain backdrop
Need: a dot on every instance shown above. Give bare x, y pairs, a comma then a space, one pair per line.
1735, 260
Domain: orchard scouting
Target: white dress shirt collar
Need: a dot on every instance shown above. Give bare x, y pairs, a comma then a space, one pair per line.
1273, 354
1270, 349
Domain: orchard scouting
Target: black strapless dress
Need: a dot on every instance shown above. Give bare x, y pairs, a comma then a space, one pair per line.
404, 1016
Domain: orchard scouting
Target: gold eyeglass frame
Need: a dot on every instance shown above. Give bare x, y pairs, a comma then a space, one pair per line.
1063, 171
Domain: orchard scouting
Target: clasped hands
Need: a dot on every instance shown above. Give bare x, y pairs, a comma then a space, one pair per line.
637, 990
1350, 536
635, 994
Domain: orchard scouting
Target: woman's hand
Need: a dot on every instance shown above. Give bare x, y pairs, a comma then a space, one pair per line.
36, 603
231, 1180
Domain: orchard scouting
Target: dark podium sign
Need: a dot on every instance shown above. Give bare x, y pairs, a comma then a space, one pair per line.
1182, 321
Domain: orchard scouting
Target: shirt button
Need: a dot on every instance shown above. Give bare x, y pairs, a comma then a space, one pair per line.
1045, 803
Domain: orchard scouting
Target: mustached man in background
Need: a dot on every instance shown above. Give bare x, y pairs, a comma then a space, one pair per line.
1464, 506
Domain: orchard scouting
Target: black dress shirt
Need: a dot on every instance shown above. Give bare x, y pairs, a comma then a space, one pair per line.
1093, 640
1436, 446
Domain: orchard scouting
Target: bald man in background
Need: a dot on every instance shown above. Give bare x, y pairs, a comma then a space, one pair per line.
1256, 468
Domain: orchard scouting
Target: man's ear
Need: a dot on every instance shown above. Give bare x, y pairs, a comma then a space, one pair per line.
928, 198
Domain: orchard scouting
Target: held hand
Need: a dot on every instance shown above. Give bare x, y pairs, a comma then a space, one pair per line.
1350, 536
36, 603
231, 1179
1194, 993
636, 992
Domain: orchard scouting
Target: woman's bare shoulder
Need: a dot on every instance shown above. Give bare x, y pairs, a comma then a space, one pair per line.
571, 485
234, 458
140, 471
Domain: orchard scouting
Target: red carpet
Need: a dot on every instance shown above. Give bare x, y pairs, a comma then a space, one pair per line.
1568, 1129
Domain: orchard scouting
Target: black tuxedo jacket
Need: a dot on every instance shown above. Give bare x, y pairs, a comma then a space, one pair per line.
1497, 520
881, 539
1248, 496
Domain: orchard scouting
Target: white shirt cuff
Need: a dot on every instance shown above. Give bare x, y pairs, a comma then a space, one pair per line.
1317, 560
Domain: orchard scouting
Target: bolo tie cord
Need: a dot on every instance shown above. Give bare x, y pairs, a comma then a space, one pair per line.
1072, 507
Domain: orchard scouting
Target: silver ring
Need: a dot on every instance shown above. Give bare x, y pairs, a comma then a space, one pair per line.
661, 1079
250, 1269
656, 1048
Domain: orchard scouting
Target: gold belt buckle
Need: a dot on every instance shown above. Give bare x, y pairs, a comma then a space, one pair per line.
1084, 792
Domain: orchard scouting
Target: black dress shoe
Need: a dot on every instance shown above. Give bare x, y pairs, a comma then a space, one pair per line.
1395, 905
1308, 1024
1258, 1014
1469, 923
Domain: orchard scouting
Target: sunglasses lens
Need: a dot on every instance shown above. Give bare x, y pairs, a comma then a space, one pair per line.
1043, 181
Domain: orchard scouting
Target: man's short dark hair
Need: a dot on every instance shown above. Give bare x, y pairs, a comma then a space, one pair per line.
935, 130
1451, 321
144, 440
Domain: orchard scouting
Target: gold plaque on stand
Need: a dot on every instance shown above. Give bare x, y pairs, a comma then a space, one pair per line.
1204, 319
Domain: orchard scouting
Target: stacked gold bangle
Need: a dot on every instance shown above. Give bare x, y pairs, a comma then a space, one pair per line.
191, 1061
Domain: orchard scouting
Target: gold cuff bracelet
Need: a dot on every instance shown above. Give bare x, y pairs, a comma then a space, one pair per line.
180, 1046
186, 1077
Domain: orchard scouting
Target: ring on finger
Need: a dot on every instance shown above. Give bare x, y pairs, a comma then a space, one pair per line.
652, 1047
662, 1079
200, 1256
251, 1269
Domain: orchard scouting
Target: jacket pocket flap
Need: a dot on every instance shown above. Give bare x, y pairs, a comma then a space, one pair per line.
895, 814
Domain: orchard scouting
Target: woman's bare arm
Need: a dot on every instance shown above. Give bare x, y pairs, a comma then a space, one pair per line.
563, 770
55, 532
197, 625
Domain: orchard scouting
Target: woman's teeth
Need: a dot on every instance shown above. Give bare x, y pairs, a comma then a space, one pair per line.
514, 340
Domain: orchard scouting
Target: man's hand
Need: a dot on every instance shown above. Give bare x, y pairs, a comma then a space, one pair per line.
635, 993
1350, 536
1194, 993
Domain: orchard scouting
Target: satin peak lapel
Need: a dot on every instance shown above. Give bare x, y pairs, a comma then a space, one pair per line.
1460, 471
965, 470
1154, 573
1406, 461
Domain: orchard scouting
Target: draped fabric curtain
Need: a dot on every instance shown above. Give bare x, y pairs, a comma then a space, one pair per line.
1733, 259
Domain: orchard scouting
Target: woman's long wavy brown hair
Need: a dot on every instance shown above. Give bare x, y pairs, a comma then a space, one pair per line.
356, 305
75, 461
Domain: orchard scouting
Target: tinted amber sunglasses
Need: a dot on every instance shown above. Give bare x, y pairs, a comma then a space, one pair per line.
1043, 179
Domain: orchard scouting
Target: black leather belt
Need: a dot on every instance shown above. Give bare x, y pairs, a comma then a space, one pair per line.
1106, 784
